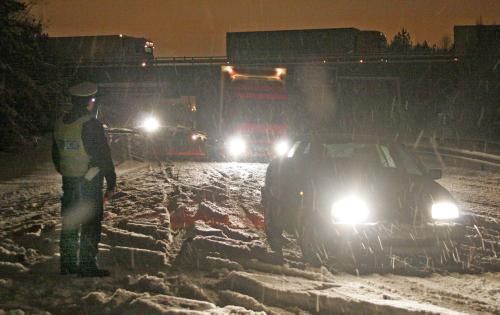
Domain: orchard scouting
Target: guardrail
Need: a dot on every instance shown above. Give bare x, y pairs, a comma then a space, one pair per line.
478, 145
485, 152
470, 156
126, 143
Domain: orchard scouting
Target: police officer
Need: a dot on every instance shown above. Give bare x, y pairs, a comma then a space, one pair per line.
81, 155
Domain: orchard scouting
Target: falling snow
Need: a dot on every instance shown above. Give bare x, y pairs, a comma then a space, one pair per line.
188, 238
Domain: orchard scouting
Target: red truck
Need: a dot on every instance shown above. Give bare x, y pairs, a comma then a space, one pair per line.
253, 122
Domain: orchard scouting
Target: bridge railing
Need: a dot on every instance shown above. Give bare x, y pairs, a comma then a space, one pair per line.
312, 58
379, 58
192, 60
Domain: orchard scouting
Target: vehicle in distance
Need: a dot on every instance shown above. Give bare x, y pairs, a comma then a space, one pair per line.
100, 49
303, 44
253, 115
169, 130
172, 143
353, 198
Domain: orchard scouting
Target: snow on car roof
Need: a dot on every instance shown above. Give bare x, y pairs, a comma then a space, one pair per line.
344, 138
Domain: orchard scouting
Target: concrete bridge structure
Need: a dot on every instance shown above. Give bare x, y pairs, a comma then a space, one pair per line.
447, 94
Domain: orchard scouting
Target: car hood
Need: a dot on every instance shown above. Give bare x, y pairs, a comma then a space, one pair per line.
392, 195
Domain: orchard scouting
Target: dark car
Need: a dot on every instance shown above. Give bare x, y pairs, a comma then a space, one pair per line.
174, 143
341, 196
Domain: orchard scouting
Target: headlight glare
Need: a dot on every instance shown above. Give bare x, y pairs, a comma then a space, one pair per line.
281, 147
150, 124
236, 146
350, 210
445, 210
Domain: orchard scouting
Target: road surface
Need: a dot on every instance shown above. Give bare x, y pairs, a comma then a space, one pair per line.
187, 237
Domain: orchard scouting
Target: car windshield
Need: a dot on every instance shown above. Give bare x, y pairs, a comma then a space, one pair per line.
408, 162
372, 155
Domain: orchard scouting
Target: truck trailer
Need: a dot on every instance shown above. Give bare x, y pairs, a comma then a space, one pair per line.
303, 44
100, 49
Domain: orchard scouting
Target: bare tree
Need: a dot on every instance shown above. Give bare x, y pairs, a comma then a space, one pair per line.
445, 43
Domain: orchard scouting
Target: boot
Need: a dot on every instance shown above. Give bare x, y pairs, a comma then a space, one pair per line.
69, 269
93, 272
90, 269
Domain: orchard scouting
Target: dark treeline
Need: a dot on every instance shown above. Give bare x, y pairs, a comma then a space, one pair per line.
30, 88
402, 43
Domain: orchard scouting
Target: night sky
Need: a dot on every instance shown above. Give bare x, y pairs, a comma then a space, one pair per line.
197, 27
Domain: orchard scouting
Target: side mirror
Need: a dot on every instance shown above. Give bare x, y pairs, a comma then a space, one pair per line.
435, 173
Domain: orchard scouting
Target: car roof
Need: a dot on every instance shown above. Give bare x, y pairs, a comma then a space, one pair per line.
346, 138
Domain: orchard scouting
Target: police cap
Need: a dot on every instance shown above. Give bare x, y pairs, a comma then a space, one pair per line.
84, 89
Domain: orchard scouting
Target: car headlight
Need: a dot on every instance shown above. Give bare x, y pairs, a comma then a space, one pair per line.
236, 146
445, 210
350, 210
150, 124
281, 147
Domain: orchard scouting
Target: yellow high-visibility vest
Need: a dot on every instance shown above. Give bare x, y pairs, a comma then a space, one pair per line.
74, 160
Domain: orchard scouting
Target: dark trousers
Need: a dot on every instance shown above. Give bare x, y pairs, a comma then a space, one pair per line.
82, 211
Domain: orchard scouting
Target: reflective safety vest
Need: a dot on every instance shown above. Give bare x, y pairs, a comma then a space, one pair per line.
73, 159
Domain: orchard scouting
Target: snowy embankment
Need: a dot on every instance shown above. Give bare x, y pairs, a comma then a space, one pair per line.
187, 238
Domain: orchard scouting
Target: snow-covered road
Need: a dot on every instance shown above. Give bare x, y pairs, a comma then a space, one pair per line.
216, 259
